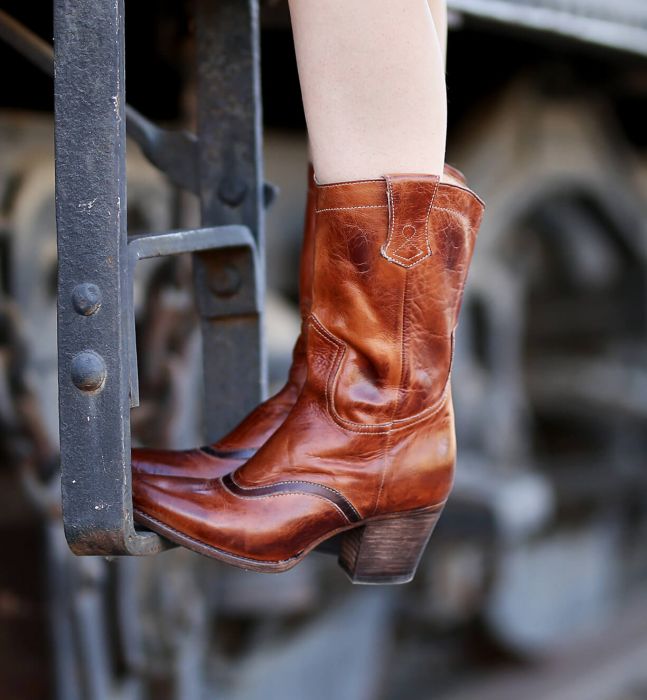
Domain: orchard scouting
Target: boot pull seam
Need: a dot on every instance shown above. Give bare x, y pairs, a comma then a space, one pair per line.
359, 206
391, 255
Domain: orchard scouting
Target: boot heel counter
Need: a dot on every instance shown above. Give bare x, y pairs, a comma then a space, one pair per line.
423, 458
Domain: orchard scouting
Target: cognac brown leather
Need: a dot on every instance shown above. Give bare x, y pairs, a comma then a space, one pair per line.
242, 443
371, 435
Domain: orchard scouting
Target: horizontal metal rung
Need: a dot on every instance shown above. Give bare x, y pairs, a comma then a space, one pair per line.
156, 245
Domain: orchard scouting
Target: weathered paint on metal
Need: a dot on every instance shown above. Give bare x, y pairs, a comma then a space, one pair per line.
97, 355
231, 192
91, 228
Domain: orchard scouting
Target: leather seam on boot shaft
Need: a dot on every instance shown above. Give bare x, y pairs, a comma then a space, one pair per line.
448, 170
457, 213
399, 423
367, 428
341, 502
359, 206
331, 185
418, 220
377, 201
284, 482
396, 403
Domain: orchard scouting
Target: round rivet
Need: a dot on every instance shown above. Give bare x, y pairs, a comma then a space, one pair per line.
232, 190
88, 371
86, 298
225, 281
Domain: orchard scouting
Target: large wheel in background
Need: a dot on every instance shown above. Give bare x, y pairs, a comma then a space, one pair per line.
552, 355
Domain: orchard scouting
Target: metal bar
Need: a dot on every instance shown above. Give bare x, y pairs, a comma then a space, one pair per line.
90, 627
171, 151
620, 25
174, 152
93, 279
234, 239
25, 42
231, 192
97, 351
59, 603
175, 242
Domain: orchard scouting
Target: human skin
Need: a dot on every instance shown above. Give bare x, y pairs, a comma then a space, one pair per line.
439, 13
373, 83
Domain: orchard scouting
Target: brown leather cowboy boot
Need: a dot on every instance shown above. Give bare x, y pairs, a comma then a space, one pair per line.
369, 449
242, 443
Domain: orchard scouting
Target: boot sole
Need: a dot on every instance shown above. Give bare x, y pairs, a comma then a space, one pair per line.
379, 550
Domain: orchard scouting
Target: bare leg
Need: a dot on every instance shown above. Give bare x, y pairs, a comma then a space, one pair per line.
439, 13
372, 78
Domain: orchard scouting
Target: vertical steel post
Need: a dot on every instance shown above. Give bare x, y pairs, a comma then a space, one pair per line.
97, 366
93, 278
229, 292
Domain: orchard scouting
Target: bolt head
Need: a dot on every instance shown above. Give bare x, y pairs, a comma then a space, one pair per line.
86, 298
225, 281
88, 371
232, 190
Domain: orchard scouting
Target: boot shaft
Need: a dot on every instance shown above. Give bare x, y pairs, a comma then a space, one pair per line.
391, 262
307, 248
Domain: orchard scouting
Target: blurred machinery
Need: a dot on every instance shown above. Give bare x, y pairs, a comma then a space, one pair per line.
542, 548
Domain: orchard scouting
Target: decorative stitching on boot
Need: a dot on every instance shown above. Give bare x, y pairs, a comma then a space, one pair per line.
361, 206
407, 237
371, 428
296, 487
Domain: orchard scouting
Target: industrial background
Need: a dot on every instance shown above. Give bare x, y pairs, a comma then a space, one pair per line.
535, 584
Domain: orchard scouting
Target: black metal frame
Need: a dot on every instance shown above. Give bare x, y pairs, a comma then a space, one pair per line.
97, 361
